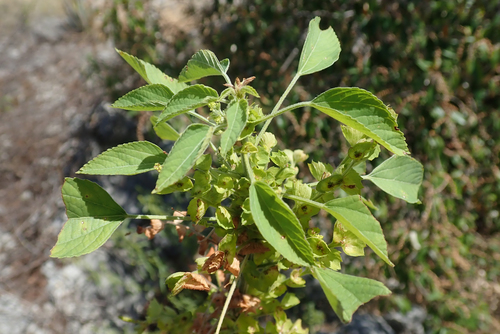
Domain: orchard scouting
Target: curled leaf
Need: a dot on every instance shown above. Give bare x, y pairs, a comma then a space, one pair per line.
234, 267
155, 227
191, 281
214, 262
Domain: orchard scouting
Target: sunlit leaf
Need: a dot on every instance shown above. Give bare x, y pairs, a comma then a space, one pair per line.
236, 116
186, 150
152, 74
146, 98
188, 99
127, 159
400, 177
321, 49
346, 293
357, 218
93, 217
364, 112
204, 63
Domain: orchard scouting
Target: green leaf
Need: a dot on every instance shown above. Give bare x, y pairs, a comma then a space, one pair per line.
236, 115
278, 225
80, 236
127, 159
187, 149
399, 176
289, 301
351, 183
352, 136
320, 170
321, 49
152, 74
346, 293
204, 63
349, 242
93, 217
357, 218
164, 130
188, 99
364, 112
224, 218
250, 91
146, 98
182, 185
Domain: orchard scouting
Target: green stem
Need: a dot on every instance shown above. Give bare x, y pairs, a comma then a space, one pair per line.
304, 200
344, 173
213, 147
225, 173
229, 296
275, 110
195, 114
284, 110
248, 167
226, 77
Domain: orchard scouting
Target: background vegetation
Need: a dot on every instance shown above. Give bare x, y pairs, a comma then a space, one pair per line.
437, 63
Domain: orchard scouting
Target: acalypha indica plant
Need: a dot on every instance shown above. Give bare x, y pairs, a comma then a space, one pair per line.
250, 212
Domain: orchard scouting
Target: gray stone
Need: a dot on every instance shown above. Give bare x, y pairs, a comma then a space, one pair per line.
49, 29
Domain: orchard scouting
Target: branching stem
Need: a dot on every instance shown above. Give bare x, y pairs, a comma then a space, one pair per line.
204, 119
248, 167
275, 110
164, 217
230, 296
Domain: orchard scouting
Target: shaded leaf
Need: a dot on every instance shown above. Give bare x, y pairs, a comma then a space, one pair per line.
400, 177
364, 112
188, 99
278, 225
321, 49
346, 293
127, 159
164, 130
186, 150
236, 116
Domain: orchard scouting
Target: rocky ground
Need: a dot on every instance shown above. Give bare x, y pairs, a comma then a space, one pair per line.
45, 101
54, 117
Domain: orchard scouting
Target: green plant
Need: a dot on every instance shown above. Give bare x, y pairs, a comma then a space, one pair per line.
253, 242
434, 62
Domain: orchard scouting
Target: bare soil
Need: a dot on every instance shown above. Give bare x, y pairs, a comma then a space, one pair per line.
42, 90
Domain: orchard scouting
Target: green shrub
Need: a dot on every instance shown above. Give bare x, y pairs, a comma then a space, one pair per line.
255, 245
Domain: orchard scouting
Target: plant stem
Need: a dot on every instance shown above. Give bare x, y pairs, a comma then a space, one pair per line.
226, 77
213, 147
274, 112
230, 296
164, 217
248, 167
304, 200
195, 114
284, 110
